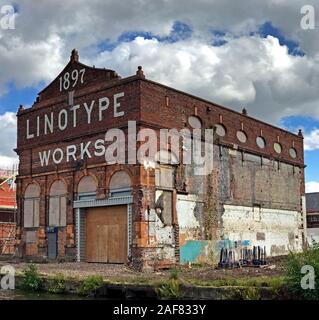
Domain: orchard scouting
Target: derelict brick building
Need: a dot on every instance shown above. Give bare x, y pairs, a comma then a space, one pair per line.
73, 205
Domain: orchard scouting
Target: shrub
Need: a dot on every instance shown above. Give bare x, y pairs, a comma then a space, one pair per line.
294, 276
170, 289
57, 284
90, 284
32, 280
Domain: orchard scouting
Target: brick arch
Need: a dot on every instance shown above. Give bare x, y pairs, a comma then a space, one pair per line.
124, 171
58, 187
32, 190
58, 203
87, 183
31, 205
52, 182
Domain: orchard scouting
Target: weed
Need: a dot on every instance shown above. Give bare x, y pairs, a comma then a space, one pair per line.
90, 284
57, 284
170, 289
294, 276
32, 280
174, 273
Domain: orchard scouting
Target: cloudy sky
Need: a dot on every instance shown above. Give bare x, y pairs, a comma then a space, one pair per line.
236, 53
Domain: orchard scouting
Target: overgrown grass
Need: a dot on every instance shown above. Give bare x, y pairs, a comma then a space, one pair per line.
293, 278
170, 288
256, 282
90, 284
57, 284
32, 280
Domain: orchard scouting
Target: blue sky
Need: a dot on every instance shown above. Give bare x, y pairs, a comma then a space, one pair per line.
206, 50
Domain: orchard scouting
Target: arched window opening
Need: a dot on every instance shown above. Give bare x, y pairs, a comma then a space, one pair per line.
31, 206
57, 204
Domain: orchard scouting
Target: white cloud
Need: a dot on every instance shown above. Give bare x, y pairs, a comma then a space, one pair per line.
8, 133
28, 63
312, 186
311, 140
249, 71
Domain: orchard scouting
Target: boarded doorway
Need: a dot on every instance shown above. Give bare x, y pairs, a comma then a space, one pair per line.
106, 234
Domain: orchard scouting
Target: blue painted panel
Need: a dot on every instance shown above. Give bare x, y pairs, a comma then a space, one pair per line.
191, 250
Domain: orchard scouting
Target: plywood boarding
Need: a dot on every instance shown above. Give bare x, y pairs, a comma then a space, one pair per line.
106, 234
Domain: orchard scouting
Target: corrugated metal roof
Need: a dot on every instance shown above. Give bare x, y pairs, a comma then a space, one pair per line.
312, 202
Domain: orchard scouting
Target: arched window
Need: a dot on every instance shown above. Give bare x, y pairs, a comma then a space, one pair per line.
87, 185
31, 206
57, 204
120, 180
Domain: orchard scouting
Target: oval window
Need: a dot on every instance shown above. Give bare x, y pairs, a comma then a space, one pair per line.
293, 153
261, 143
277, 147
241, 136
220, 130
194, 122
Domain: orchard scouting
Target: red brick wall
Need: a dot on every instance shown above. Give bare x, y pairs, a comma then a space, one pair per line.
144, 101
182, 105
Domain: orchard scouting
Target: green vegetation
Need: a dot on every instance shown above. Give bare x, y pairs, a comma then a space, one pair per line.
90, 284
174, 273
256, 282
294, 276
32, 280
169, 289
57, 284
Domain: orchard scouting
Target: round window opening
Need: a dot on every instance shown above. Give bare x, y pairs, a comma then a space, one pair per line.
194, 122
277, 147
220, 130
293, 153
261, 143
241, 136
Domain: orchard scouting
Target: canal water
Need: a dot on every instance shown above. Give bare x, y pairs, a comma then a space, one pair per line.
26, 295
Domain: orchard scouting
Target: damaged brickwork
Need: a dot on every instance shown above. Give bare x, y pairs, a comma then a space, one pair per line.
252, 196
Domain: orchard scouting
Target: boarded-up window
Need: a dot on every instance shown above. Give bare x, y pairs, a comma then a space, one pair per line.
120, 180
164, 171
31, 206
57, 204
87, 185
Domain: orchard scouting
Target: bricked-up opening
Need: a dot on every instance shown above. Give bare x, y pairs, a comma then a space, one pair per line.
277, 147
31, 206
293, 153
57, 204
241, 136
261, 142
87, 185
120, 183
220, 130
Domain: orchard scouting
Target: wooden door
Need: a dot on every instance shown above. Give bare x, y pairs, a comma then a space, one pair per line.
106, 234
